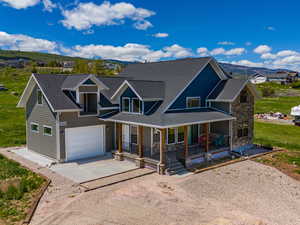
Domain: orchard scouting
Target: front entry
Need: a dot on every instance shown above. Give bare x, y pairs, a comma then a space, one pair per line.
84, 142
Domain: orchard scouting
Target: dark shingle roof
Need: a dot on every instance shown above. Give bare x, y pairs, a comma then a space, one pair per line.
113, 83
72, 81
227, 90
171, 119
51, 85
148, 89
176, 74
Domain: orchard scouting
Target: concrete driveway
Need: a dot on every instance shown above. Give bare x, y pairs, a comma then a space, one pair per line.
90, 169
80, 170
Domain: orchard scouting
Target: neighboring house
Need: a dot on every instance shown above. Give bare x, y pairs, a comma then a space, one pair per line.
258, 78
167, 115
283, 77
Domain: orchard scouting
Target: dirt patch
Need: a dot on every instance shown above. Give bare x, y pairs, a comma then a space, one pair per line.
283, 161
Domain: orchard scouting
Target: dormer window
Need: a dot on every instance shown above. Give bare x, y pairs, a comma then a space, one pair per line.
136, 105
88, 103
193, 102
39, 97
126, 104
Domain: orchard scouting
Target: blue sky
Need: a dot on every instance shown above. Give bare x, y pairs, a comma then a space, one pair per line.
253, 33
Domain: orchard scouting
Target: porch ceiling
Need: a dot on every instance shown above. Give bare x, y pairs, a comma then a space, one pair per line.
167, 120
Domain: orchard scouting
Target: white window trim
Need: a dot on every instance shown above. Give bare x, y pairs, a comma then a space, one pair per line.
195, 97
50, 135
122, 106
34, 131
131, 101
37, 95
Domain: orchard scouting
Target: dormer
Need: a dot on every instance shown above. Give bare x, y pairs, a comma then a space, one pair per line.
85, 91
138, 96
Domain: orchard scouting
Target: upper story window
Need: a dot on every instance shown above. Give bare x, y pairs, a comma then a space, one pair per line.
34, 127
126, 104
131, 105
135, 105
47, 130
193, 102
243, 97
39, 97
88, 103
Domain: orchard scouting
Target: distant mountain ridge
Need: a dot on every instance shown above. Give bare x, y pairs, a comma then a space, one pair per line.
237, 70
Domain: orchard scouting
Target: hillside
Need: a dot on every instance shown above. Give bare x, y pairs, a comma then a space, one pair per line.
34, 56
238, 70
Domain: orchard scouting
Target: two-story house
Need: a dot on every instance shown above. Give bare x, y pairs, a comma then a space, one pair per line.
166, 115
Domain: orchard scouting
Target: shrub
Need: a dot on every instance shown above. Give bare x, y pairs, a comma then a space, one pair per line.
296, 84
13, 193
268, 92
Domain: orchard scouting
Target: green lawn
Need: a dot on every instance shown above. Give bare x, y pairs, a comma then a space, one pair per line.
17, 197
277, 104
12, 119
285, 136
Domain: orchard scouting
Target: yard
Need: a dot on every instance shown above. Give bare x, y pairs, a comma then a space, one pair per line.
18, 188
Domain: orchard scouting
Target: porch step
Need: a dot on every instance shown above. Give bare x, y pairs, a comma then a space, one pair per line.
175, 167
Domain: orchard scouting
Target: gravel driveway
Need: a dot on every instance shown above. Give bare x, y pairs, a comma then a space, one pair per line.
245, 193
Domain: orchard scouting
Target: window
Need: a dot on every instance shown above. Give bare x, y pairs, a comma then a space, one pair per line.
134, 134
193, 102
194, 134
34, 127
180, 134
243, 131
243, 97
47, 131
175, 135
125, 104
135, 105
171, 135
39, 97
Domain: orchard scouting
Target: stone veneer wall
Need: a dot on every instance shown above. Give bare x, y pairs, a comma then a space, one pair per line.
244, 113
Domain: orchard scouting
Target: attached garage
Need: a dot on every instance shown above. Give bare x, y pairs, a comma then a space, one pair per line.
84, 142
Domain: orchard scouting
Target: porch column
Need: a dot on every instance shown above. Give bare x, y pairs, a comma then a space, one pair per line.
119, 153
162, 162
140, 160
206, 137
186, 146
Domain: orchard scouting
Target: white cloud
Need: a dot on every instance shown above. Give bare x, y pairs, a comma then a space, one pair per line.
270, 28
246, 62
26, 43
248, 43
177, 51
217, 51
261, 49
203, 51
161, 35
86, 15
20, 4
268, 56
49, 5
128, 52
235, 51
142, 25
286, 53
226, 43
220, 51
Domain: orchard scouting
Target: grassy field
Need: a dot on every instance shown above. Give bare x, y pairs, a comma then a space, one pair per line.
12, 125
18, 190
277, 104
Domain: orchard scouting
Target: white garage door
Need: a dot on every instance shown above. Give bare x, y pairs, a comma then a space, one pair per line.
84, 142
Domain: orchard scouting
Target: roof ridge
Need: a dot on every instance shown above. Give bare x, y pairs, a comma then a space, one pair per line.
172, 60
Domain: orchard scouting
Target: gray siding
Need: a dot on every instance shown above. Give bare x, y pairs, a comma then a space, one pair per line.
71, 120
42, 115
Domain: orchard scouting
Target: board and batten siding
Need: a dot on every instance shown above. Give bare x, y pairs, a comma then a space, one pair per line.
72, 120
42, 115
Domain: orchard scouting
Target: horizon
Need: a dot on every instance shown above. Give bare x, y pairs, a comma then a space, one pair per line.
91, 29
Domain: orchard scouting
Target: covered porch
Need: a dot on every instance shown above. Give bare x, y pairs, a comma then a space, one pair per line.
189, 144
